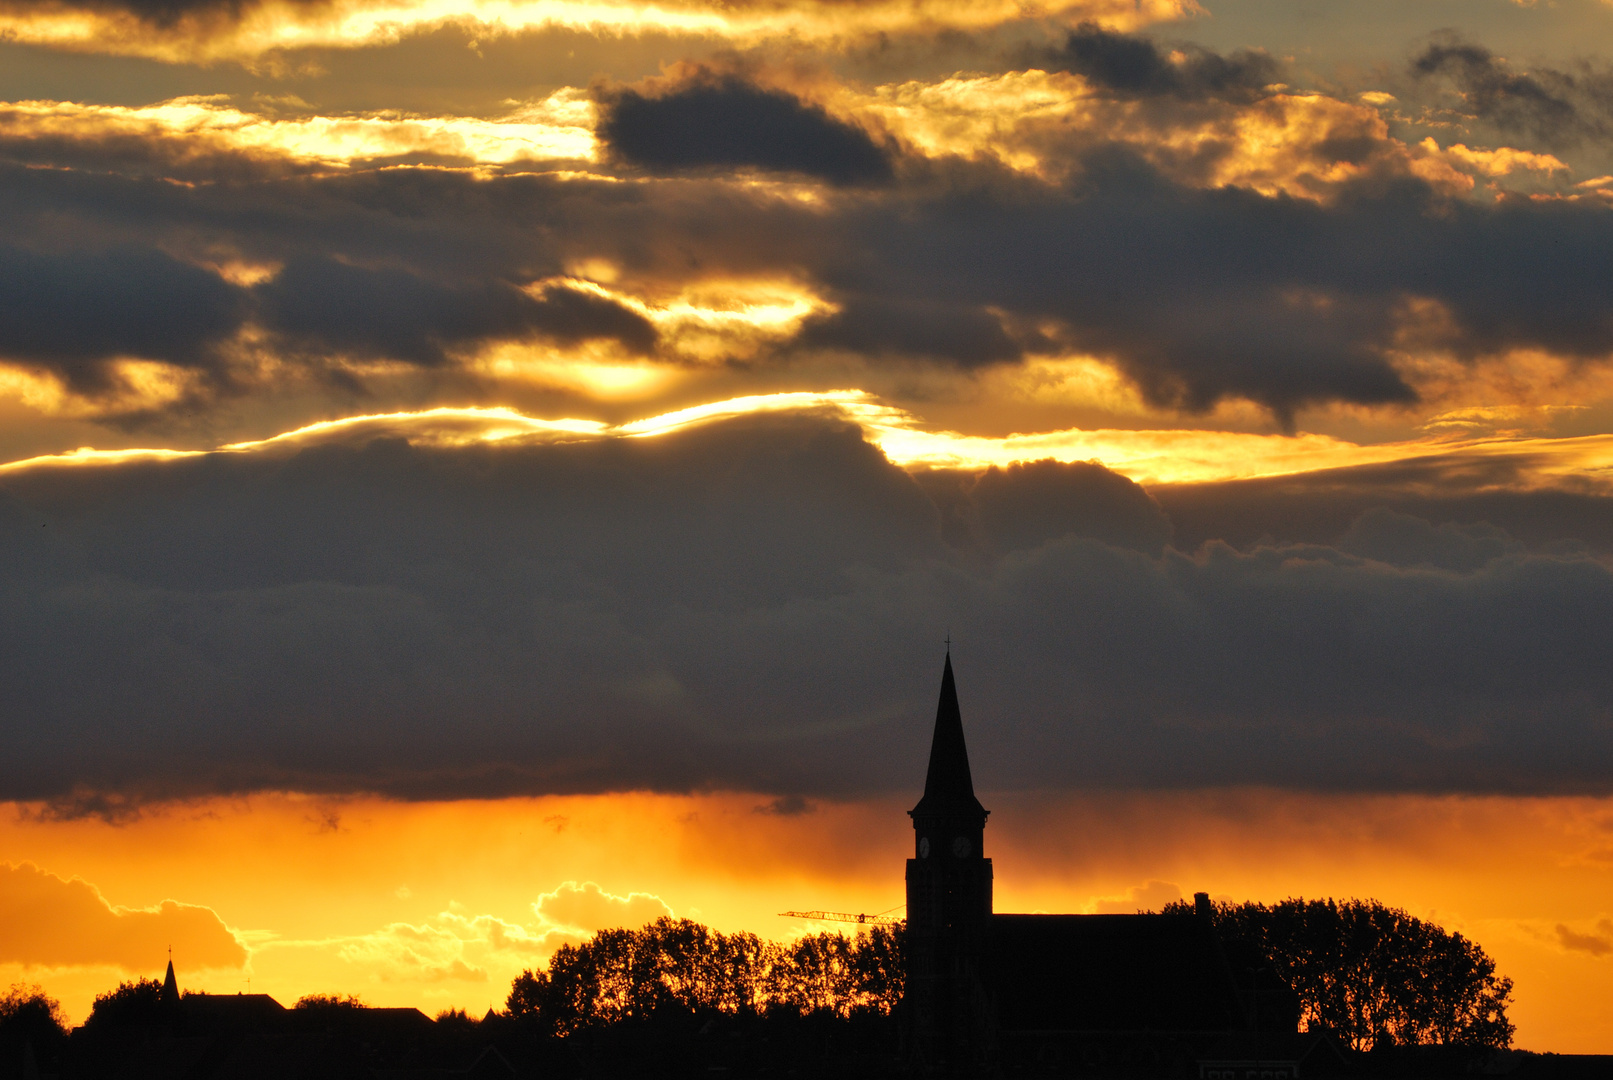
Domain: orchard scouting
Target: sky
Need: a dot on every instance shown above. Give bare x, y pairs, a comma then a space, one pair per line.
475, 472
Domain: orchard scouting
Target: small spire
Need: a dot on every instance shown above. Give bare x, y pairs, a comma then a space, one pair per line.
170, 985
948, 786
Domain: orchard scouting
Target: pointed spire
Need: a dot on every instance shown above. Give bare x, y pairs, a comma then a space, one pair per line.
948, 786
170, 985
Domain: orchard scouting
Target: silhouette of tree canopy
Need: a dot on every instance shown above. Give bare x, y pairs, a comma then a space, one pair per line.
1374, 975
329, 1003
28, 1017
138, 1002
676, 963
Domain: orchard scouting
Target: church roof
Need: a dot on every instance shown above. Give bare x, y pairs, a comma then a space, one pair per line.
1111, 973
948, 787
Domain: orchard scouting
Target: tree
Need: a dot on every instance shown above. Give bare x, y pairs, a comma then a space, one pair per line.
137, 1002
1374, 975
30, 1020
683, 966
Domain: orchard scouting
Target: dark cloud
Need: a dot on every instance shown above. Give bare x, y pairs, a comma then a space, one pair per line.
406, 315
752, 605
1554, 106
1596, 944
966, 335
71, 310
1481, 491
726, 122
1129, 65
1029, 504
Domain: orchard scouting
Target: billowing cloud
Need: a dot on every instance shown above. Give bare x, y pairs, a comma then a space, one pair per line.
587, 907
744, 605
723, 121
48, 921
1135, 66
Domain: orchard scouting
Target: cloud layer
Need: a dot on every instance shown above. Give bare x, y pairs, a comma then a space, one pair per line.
1181, 217
754, 605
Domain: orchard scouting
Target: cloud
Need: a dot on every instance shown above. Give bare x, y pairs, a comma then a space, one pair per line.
1403, 540
1129, 65
450, 947
1597, 944
1149, 896
725, 121
587, 907
1286, 250
754, 605
71, 310
1471, 494
420, 318
47, 921
786, 806
1554, 106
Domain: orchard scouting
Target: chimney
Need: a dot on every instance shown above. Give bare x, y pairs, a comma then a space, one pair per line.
1201, 905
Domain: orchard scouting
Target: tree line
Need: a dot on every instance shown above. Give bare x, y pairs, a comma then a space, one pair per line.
1374, 975
678, 964
1371, 975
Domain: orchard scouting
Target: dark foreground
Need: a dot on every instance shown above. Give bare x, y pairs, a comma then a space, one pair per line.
251, 1037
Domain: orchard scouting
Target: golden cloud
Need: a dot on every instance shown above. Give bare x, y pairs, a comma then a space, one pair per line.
269, 28
587, 907
559, 127
48, 921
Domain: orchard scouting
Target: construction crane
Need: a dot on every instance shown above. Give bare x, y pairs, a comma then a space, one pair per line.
882, 919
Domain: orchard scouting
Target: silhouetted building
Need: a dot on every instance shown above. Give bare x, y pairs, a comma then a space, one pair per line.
194, 1036
1142, 995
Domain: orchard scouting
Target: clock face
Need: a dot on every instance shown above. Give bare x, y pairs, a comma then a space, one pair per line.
960, 846
924, 847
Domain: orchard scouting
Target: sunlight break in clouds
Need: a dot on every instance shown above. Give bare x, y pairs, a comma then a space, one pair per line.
558, 127
1147, 456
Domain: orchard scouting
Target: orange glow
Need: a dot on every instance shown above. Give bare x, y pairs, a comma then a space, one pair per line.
440, 904
1148, 456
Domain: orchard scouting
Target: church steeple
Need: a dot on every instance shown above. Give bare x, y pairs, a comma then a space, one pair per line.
948, 786
170, 985
948, 907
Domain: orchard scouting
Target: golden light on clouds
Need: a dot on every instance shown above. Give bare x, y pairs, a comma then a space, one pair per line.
984, 114
708, 320
275, 27
557, 127
1158, 456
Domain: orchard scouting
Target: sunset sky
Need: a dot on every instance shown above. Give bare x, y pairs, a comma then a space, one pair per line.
474, 472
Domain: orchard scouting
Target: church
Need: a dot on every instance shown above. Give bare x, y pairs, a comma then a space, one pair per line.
1144, 995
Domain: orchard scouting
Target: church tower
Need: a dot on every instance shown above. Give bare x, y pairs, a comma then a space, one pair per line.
949, 1016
